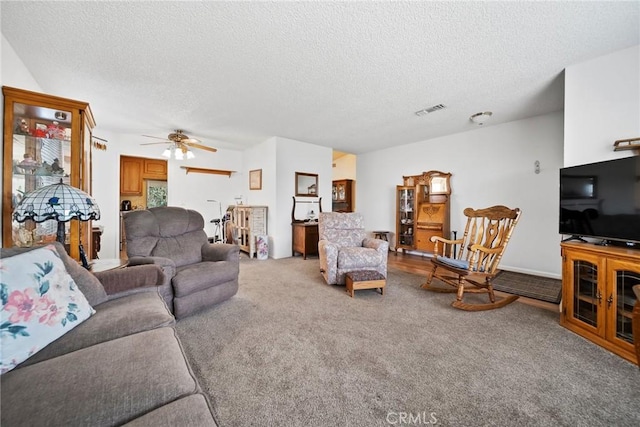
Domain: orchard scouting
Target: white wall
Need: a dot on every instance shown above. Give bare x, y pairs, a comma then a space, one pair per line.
602, 105
263, 156
291, 157
491, 165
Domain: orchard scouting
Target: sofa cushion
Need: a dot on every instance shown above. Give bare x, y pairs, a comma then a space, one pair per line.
358, 257
103, 385
40, 303
87, 283
197, 277
190, 411
113, 319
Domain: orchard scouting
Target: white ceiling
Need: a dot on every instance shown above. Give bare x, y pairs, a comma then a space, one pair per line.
347, 75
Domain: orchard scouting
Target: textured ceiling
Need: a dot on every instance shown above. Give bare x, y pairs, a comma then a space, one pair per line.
347, 75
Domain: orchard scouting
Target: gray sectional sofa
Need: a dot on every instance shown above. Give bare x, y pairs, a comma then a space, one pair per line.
122, 366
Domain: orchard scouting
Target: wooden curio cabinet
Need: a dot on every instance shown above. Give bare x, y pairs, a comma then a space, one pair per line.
342, 196
597, 294
422, 210
46, 139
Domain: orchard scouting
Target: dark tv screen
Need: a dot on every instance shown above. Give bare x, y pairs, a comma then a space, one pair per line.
602, 200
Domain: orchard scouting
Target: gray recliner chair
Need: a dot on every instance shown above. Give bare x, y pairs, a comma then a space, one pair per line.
197, 274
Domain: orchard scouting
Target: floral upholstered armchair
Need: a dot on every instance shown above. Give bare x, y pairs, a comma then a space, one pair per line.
343, 247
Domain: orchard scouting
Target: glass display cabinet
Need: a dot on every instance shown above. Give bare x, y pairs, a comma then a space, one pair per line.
405, 204
46, 139
597, 294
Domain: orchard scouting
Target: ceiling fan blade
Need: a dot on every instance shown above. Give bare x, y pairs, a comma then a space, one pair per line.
156, 137
200, 146
155, 143
191, 140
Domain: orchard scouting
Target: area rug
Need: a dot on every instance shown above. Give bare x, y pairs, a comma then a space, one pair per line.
290, 350
526, 285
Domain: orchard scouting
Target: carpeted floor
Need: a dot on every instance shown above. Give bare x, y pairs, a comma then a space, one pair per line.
526, 285
289, 350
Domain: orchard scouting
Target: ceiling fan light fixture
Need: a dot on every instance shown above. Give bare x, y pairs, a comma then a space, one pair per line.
481, 118
178, 154
190, 155
167, 153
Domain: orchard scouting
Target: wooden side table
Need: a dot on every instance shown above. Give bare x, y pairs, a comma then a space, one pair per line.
305, 238
98, 265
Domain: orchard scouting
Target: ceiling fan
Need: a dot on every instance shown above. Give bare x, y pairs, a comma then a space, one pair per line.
180, 144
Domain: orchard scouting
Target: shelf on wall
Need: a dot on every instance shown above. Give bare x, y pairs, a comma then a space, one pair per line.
627, 144
209, 171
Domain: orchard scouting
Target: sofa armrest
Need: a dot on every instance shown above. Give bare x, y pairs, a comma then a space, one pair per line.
128, 278
220, 252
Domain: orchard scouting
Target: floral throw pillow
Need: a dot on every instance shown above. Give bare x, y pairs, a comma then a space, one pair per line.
40, 303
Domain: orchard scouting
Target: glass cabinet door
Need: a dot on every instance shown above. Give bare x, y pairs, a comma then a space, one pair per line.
586, 294
405, 215
621, 299
41, 156
586, 300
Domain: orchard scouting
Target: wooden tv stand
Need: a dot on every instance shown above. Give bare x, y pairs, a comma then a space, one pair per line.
597, 294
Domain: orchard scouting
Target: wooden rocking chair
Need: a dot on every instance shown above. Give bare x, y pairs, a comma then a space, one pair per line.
472, 268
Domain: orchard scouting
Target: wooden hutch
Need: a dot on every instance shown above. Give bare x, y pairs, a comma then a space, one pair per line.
422, 210
342, 195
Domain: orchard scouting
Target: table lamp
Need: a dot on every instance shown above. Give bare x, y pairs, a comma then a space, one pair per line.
60, 202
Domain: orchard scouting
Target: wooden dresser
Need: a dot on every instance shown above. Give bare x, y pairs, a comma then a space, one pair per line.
305, 238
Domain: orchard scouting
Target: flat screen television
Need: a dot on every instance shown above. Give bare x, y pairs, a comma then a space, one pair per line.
602, 200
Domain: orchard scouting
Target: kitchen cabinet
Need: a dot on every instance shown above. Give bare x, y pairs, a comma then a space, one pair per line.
131, 176
597, 294
154, 169
46, 139
134, 170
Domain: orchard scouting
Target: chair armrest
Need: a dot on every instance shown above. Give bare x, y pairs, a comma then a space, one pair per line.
220, 252
377, 244
128, 278
167, 265
447, 246
636, 290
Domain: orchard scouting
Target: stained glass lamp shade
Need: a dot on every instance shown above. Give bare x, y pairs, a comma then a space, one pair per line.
60, 202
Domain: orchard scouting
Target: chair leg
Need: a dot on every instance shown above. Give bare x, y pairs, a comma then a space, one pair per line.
430, 274
460, 289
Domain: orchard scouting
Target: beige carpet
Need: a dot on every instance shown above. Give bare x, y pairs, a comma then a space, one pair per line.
289, 350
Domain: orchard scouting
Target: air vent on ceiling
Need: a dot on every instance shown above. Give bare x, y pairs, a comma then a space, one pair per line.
430, 110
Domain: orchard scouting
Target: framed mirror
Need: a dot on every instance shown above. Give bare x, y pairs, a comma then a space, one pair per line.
306, 184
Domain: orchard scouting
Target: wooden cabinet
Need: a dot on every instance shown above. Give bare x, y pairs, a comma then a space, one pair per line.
134, 170
597, 294
154, 169
131, 175
305, 238
46, 139
342, 195
422, 210
249, 222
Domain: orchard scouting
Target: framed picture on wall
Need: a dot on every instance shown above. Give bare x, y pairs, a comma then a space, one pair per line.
255, 179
